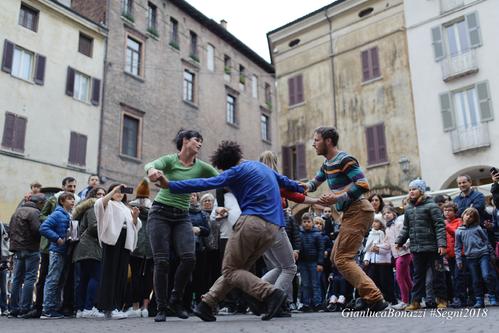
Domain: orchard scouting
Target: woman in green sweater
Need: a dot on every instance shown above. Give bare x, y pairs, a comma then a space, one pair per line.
168, 220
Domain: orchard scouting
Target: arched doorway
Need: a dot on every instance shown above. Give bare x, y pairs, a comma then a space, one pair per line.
480, 175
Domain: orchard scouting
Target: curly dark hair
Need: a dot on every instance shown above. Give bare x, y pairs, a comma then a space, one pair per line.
227, 155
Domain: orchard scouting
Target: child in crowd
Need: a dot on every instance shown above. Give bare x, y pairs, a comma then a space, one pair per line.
452, 222
55, 229
474, 241
337, 291
310, 262
378, 260
402, 256
326, 241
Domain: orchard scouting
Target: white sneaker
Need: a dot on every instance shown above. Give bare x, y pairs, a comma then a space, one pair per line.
131, 313
79, 314
341, 299
399, 306
92, 313
118, 315
333, 299
144, 313
225, 312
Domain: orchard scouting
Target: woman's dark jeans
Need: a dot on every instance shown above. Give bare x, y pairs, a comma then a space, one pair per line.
169, 225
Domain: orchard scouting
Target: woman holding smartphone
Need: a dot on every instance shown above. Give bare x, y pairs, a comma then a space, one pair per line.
117, 227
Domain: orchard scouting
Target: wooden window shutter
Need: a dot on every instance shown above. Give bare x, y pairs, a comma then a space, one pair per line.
484, 101
70, 82
8, 55
301, 161
291, 91
286, 161
446, 110
381, 139
365, 65
82, 149
371, 145
375, 62
299, 88
40, 69
73, 148
19, 134
95, 91
438, 43
473, 29
8, 130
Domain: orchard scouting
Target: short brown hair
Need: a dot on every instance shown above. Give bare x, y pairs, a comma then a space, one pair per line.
64, 196
306, 216
451, 205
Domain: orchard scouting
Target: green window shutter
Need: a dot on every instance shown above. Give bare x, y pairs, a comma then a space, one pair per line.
484, 101
474, 29
438, 43
446, 110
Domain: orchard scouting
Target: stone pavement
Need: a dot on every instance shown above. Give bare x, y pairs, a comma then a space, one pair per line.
443, 321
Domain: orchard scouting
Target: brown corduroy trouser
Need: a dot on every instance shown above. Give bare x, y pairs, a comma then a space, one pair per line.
356, 221
252, 236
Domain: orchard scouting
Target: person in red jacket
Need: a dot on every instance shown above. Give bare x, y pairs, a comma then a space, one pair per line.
452, 222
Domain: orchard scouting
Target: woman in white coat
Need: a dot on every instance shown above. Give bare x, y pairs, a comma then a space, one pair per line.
117, 228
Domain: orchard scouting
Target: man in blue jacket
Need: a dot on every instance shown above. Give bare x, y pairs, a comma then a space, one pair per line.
256, 188
469, 197
55, 229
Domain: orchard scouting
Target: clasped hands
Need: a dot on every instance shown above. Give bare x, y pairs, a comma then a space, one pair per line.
326, 199
158, 177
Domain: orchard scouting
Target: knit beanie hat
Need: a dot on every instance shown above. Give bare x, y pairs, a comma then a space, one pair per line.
418, 184
142, 190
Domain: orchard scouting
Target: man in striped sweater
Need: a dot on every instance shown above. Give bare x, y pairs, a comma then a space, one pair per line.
347, 184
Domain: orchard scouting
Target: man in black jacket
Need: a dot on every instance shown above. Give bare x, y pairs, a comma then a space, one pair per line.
25, 244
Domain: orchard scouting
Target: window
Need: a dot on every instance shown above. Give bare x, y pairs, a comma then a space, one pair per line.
370, 64
227, 64
22, 64
294, 163
174, 33
189, 86
242, 74
210, 60
152, 13
268, 96
81, 87
28, 17
85, 45
77, 149
133, 56
295, 89
466, 108
457, 37
127, 9
376, 144
130, 136
194, 46
265, 127
231, 110
254, 86
14, 132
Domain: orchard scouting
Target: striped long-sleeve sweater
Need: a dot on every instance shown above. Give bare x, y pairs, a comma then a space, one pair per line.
344, 177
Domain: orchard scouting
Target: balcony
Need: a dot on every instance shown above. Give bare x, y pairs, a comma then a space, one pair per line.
448, 5
470, 138
458, 65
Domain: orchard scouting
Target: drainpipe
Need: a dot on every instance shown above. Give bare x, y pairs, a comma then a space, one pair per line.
333, 85
103, 99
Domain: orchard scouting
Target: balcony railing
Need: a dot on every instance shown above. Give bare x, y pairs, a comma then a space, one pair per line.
470, 138
447, 5
459, 65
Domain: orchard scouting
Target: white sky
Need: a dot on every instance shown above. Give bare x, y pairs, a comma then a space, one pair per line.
250, 21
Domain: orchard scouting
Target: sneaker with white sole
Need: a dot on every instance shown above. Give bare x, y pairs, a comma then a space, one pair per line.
399, 306
79, 314
115, 314
341, 299
92, 313
144, 313
333, 299
131, 313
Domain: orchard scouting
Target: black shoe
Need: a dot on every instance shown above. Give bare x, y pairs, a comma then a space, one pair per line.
178, 308
274, 302
305, 309
457, 304
431, 305
379, 305
360, 305
32, 314
331, 307
14, 314
160, 316
256, 307
204, 311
